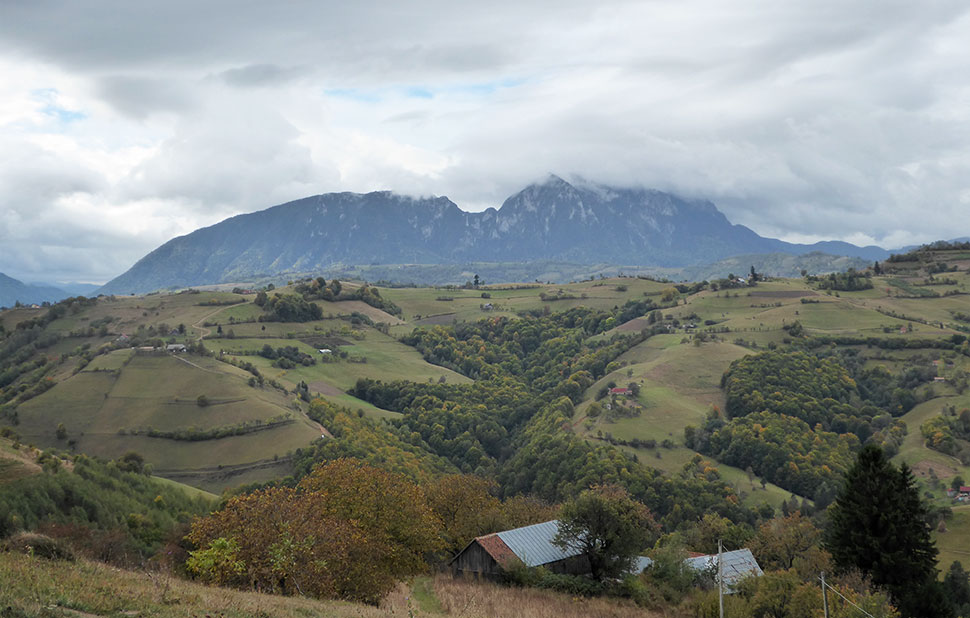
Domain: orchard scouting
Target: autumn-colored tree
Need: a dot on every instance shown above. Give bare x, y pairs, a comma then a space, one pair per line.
519, 511
347, 530
466, 508
464, 505
386, 506
704, 535
791, 542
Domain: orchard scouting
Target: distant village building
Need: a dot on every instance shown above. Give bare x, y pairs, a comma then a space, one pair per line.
620, 390
175, 348
325, 351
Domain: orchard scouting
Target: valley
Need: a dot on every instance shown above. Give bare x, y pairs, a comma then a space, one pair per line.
112, 403
618, 379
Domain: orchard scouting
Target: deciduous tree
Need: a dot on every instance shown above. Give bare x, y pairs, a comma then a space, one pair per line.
609, 527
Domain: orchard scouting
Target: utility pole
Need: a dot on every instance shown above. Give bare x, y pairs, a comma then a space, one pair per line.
720, 579
825, 596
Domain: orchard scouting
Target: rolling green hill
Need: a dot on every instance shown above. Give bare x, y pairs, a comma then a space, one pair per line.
74, 378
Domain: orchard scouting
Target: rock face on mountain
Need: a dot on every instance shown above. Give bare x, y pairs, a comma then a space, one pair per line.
553, 220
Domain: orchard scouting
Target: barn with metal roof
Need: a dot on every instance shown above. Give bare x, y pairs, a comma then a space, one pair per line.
737, 565
488, 556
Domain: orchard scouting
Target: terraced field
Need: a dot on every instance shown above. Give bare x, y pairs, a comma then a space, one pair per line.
110, 411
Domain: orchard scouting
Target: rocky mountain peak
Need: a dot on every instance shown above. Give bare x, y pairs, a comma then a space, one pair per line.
580, 222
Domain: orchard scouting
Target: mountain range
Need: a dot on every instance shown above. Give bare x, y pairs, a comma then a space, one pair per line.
13, 291
554, 220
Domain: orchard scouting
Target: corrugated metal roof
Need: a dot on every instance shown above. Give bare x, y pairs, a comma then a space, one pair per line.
643, 563
533, 544
738, 564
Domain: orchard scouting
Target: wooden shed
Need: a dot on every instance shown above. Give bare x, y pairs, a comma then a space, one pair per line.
488, 556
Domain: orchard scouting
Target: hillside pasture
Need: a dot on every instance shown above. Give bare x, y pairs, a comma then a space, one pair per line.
954, 544
679, 384
100, 410
280, 330
918, 456
933, 310
112, 361
387, 359
16, 463
130, 312
465, 304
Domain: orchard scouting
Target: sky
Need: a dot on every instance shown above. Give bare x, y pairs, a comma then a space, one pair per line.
124, 124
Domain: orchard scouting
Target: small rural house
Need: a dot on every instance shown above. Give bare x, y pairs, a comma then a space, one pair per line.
736, 565
176, 347
488, 556
620, 390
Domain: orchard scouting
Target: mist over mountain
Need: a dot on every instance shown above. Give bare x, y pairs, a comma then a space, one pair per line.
554, 220
13, 291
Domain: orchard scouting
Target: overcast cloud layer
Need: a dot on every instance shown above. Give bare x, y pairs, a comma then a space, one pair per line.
124, 124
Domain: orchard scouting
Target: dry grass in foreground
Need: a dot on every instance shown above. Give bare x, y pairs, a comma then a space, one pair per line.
485, 600
36, 587
50, 588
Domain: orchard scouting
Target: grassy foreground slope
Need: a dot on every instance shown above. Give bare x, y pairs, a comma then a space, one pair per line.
35, 587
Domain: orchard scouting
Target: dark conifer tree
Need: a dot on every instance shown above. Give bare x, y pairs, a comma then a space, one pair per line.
956, 585
878, 525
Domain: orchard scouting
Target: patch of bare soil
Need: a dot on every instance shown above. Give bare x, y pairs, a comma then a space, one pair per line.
322, 341
324, 389
636, 325
922, 469
783, 294
436, 320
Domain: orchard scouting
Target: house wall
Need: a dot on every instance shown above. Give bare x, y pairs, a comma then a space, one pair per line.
576, 565
475, 561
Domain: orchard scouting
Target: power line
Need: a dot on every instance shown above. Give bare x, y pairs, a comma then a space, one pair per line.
844, 598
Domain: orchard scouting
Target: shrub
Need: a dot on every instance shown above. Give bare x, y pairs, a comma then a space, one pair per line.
39, 545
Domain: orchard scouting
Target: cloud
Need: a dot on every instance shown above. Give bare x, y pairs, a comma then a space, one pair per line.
261, 75
141, 96
228, 159
122, 124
